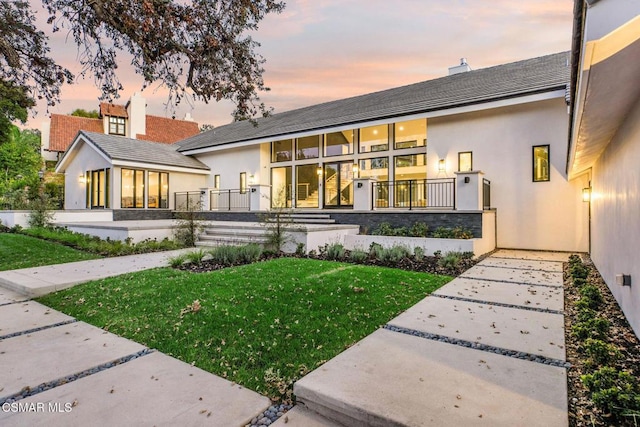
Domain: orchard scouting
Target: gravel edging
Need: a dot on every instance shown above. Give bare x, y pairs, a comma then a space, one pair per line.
41, 328
269, 416
499, 304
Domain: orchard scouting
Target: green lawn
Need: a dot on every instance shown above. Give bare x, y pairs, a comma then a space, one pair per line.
261, 325
19, 251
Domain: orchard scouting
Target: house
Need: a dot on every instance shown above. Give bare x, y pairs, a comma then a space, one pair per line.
429, 151
605, 140
129, 120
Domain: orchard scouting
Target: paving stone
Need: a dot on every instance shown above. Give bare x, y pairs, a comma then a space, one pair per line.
531, 255
28, 315
393, 379
8, 296
532, 277
299, 416
530, 296
50, 354
548, 266
152, 390
508, 328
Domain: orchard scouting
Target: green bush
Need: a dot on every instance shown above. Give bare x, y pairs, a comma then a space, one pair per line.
375, 250
225, 254
592, 295
383, 229
249, 253
195, 257
452, 233
177, 261
600, 352
585, 313
335, 251
615, 392
450, 260
579, 282
579, 271
358, 256
418, 253
592, 328
574, 259
419, 229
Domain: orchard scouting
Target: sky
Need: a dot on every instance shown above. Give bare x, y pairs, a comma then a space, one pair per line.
322, 50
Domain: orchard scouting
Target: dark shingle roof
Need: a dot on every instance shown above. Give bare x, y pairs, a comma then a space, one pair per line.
135, 150
530, 76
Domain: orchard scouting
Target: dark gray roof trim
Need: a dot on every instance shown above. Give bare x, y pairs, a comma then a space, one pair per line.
531, 76
135, 150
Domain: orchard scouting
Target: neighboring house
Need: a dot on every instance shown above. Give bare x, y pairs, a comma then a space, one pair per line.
128, 120
396, 153
605, 140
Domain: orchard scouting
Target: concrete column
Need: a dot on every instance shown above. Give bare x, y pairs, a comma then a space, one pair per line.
259, 197
205, 199
469, 191
363, 194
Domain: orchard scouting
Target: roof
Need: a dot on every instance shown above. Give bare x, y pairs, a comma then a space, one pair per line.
135, 150
64, 128
168, 131
531, 76
114, 110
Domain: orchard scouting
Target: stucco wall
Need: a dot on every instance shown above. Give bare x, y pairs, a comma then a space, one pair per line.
254, 160
607, 15
530, 215
85, 158
615, 221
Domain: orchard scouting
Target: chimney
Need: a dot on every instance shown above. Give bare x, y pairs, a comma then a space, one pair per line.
462, 68
136, 109
188, 118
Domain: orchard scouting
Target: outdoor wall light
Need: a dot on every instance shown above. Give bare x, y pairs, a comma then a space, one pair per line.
441, 165
359, 185
319, 170
467, 179
82, 179
586, 194
355, 170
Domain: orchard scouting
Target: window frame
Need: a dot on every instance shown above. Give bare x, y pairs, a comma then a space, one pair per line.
95, 181
460, 154
534, 165
134, 188
120, 125
160, 192
243, 182
352, 144
292, 146
216, 182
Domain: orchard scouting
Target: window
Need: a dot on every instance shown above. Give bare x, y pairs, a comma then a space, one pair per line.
243, 182
281, 150
158, 196
132, 189
410, 134
465, 161
375, 168
216, 182
116, 126
541, 163
338, 143
412, 166
307, 186
308, 147
281, 187
374, 138
97, 191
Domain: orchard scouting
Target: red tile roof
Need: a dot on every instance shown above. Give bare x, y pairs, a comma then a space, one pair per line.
113, 110
65, 128
168, 131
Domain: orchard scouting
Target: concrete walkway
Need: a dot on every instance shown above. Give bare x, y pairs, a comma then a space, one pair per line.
74, 374
487, 349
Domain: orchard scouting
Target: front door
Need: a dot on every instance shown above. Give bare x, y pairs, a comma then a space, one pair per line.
338, 185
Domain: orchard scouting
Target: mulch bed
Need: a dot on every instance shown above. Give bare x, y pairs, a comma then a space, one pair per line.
582, 411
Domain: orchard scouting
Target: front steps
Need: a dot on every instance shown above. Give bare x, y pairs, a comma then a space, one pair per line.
305, 218
232, 234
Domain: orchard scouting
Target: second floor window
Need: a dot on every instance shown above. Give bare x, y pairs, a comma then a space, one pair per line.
116, 126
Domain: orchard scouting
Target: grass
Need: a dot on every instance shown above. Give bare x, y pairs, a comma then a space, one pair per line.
261, 325
19, 251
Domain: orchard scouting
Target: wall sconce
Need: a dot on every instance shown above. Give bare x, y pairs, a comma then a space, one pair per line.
467, 180
355, 170
82, 179
319, 170
441, 165
359, 185
252, 180
586, 194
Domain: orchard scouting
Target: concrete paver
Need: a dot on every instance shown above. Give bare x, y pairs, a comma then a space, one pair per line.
550, 266
531, 255
299, 416
8, 296
50, 354
532, 277
153, 390
531, 296
504, 327
392, 379
24, 316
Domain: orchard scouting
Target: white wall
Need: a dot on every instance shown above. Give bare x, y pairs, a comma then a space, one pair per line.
607, 15
530, 215
230, 163
84, 159
615, 215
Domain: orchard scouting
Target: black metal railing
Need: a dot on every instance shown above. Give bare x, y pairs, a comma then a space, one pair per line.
486, 194
420, 193
188, 201
229, 200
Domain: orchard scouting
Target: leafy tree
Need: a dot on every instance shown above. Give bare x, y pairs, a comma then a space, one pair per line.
80, 112
14, 103
206, 127
197, 48
20, 160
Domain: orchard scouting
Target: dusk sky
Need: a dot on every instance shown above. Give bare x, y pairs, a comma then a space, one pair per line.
321, 50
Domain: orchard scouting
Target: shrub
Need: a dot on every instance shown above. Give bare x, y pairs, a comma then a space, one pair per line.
249, 253
195, 257
225, 254
358, 256
591, 294
613, 391
467, 255
177, 261
600, 352
40, 215
188, 226
452, 233
394, 254
579, 282
419, 229
574, 259
383, 229
335, 251
300, 249
418, 253
579, 271
450, 260
592, 328
585, 313
375, 250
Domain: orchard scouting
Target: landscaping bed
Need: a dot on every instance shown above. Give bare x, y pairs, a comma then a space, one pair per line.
600, 344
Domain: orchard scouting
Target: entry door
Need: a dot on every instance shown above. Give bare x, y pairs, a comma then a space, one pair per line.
338, 185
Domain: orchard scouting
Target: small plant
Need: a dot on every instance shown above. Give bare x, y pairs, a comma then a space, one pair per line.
394, 254
615, 392
600, 352
579, 282
383, 229
177, 261
300, 249
225, 254
249, 253
418, 253
592, 296
579, 271
188, 225
358, 256
375, 250
450, 260
335, 251
419, 229
592, 328
195, 257
277, 222
40, 215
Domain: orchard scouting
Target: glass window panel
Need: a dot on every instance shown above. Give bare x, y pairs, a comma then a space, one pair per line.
216, 182
374, 138
465, 161
139, 188
338, 143
281, 187
412, 166
107, 188
307, 186
116, 126
127, 188
375, 168
541, 163
281, 150
153, 194
308, 147
409, 134
164, 190
243, 182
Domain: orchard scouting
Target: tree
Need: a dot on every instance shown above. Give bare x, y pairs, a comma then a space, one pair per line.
206, 127
20, 162
195, 48
80, 112
14, 103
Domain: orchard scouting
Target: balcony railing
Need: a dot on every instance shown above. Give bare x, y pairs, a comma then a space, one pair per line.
229, 200
187, 201
412, 194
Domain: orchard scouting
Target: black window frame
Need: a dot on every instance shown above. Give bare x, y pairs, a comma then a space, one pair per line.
120, 125
534, 165
470, 153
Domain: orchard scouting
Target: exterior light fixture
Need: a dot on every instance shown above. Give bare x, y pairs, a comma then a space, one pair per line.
586, 194
41, 174
82, 179
319, 170
441, 165
355, 170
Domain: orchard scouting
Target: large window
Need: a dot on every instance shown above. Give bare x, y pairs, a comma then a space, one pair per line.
308, 147
132, 188
307, 186
541, 163
374, 138
412, 167
410, 134
281, 187
375, 168
116, 126
97, 188
338, 143
465, 161
243, 182
281, 150
158, 196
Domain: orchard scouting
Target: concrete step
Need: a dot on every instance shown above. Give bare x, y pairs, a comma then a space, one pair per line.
305, 220
238, 240
300, 416
234, 232
394, 379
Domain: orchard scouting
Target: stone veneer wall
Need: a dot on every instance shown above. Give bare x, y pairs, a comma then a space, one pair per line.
141, 214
